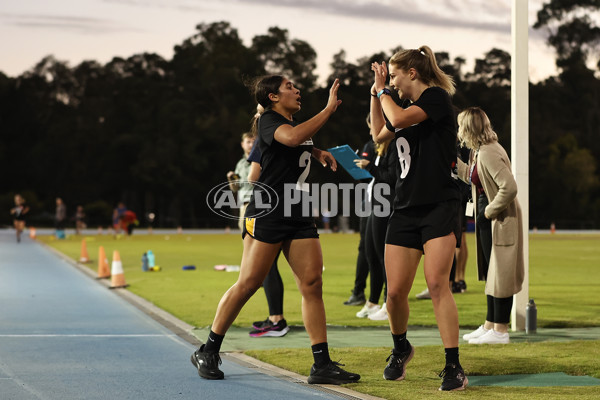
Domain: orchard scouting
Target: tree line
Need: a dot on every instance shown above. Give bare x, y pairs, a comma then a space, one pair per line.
158, 134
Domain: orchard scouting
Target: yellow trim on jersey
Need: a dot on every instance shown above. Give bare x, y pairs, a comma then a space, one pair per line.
250, 225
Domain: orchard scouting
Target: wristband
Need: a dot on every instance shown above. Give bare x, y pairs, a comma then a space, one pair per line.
384, 91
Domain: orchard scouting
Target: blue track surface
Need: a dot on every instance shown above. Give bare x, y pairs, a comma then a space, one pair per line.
65, 336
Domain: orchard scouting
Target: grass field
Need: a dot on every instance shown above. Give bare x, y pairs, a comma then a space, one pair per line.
564, 278
422, 382
564, 281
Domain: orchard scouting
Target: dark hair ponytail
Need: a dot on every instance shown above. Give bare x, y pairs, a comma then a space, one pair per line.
265, 85
261, 87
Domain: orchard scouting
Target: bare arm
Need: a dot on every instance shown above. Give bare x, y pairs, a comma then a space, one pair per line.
254, 172
379, 132
294, 136
399, 117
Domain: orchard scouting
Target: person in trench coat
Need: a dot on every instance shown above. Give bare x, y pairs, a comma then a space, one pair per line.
498, 222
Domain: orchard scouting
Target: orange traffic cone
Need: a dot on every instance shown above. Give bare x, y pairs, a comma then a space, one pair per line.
32, 233
84, 258
117, 275
103, 271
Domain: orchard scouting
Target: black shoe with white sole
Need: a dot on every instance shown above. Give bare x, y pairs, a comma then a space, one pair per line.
453, 378
331, 374
207, 364
396, 368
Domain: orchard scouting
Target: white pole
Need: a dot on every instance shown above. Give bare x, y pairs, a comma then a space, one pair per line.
520, 140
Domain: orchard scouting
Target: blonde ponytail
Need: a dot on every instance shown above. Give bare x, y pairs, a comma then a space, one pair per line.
381, 148
423, 61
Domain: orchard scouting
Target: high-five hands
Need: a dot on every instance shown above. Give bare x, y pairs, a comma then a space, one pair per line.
380, 73
333, 102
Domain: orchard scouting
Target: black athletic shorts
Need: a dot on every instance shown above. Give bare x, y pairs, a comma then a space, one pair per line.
412, 227
276, 231
463, 216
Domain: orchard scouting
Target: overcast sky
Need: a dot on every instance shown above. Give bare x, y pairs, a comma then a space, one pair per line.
77, 30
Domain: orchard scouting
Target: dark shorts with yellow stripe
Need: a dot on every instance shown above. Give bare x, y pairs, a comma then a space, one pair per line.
279, 230
412, 227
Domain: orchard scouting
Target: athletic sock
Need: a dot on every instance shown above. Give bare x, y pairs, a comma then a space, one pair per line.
321, 354
452, 356
401, 344
213, 343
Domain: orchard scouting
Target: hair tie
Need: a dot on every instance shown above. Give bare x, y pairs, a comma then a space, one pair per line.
422, 52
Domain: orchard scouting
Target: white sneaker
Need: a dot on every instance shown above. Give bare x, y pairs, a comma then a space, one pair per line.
380, 315
491, 337
476, 333
368, 309
424, 295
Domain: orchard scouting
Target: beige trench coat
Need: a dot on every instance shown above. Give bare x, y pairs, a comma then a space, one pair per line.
507, 267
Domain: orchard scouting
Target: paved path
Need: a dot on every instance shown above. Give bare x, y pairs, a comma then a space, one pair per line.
65, 336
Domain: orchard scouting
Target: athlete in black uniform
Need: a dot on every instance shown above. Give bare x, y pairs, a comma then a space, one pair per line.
425, 216
19, 212
286, 148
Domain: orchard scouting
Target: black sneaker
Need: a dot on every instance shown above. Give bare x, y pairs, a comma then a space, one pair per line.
273, 330
356, 300
453, 378
456, 287
331, 374
207, 364
396, 368
262, 325
463, 286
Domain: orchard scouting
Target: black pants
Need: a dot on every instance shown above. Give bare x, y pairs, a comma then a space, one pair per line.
375, 250
498, 309
483, 227
273, 286
362, 265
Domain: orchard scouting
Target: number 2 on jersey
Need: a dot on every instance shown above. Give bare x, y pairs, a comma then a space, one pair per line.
403, 156
303, 162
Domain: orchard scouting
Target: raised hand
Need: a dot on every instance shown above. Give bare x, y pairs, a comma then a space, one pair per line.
333, 102
380, 75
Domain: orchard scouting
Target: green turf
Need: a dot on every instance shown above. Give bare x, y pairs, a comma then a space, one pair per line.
534, 380
564, 278
576, 358
377, 336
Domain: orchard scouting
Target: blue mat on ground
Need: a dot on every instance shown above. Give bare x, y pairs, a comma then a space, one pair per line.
534, 380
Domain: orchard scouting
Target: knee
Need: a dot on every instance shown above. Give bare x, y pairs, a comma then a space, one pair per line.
437, 287
312, 287
396, 295
247, 288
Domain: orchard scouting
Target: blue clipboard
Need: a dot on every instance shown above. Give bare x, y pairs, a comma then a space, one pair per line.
345, 156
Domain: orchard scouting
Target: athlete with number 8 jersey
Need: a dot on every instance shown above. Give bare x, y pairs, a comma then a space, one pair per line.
286, 148
425, 217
